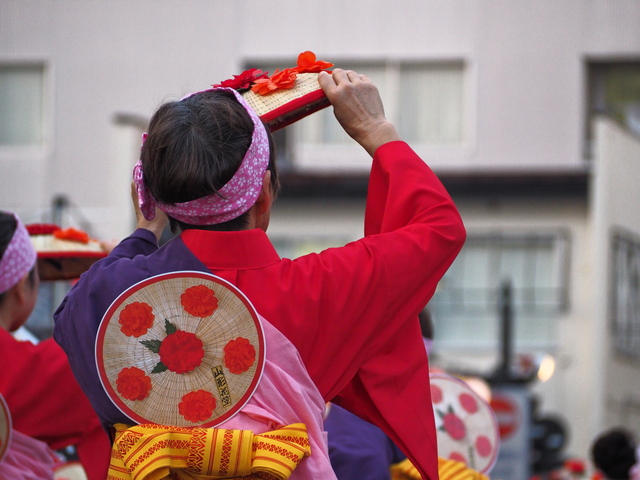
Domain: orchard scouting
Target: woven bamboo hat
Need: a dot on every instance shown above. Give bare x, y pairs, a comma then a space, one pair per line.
63, 254
286, 96
181, 349
466, 427
284, 107
5, 428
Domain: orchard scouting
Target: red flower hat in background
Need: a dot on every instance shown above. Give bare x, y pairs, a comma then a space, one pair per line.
466, 427
63, 254
183, 349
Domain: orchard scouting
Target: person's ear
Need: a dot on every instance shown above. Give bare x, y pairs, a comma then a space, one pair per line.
21, 289
265, 199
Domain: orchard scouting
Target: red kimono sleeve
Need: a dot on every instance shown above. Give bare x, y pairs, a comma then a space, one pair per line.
391, 388
47, 403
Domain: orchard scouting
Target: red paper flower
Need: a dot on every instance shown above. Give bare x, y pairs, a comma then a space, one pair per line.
133, 384
136, 319
483, 446
307, 63
468, 402
239, 355
197, 406
181, 352
244, 80
280, 80
199, 301
72, 234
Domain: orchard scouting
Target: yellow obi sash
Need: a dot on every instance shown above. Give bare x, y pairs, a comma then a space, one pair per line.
154, 452
447, 470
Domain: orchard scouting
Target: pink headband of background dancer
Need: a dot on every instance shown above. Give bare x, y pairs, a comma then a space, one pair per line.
18, 258
232, 200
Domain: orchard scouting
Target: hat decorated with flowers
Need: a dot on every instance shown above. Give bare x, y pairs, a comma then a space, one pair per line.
466, 427
285, 96
183, 349
5, 428
63, 253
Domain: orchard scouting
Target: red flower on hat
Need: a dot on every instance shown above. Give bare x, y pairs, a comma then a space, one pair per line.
468, 402
483, 446
199, 301
280, 80
239, 355
452, 424
307, 63
72, 234
197, 406
244, 80
133, 384
436, 394
181, 352
136, 319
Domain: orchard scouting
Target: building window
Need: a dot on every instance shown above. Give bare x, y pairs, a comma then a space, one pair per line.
431, 103
465, 307
424, 100
22, 105
614, 90
626, 294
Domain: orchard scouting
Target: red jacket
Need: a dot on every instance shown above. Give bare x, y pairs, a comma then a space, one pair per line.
47, 403
352, 311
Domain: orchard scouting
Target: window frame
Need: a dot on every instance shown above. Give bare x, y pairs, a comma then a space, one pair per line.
523, 311
596, 69
625, 302
42, 150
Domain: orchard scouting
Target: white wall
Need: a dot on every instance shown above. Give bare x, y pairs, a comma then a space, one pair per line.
616, 200
567, 393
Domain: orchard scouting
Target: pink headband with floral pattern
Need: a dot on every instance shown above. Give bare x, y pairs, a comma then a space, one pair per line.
233, 199
18, 258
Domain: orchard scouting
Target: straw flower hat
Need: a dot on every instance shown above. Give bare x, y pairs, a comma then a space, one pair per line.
466, 427
182, 349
